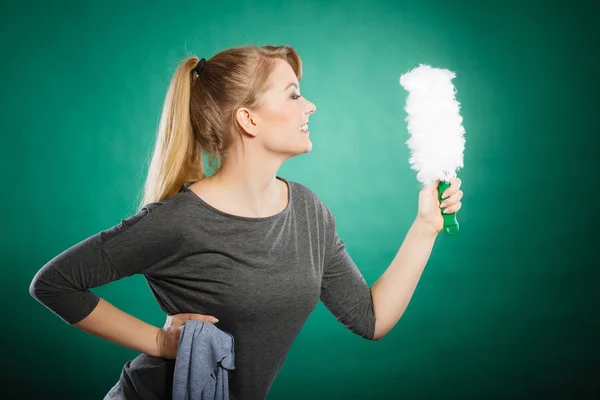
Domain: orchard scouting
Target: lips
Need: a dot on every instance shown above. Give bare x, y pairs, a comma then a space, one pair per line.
304, 128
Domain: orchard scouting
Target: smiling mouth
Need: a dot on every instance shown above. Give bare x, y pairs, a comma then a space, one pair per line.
304, 128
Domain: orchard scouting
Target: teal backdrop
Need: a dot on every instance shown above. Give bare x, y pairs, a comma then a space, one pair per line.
508, 308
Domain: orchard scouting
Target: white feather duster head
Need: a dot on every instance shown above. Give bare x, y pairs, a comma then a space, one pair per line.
434, 123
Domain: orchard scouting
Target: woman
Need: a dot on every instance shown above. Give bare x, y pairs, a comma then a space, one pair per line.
243, 245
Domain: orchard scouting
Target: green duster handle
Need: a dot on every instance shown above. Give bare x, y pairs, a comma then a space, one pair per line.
450, 222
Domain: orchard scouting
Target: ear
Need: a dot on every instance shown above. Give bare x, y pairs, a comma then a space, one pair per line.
247, 120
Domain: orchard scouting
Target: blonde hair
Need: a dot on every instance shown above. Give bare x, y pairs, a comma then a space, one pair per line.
199, 113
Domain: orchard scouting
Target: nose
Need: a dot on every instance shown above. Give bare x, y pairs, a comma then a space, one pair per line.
311, 107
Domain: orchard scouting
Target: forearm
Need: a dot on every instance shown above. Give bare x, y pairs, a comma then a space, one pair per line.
110, 323
392, 292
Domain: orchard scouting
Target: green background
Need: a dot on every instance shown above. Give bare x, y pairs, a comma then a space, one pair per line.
509, 308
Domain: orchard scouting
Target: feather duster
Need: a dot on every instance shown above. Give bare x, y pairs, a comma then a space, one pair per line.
435, 126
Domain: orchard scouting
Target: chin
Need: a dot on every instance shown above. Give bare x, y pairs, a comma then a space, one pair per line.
300, 151
303, 147
308, 147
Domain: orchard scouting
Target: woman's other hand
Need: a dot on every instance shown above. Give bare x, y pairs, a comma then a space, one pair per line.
167, 339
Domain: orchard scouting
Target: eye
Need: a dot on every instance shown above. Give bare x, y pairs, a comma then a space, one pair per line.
296, 96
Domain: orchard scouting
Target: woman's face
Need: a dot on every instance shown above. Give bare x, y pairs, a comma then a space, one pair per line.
280, 124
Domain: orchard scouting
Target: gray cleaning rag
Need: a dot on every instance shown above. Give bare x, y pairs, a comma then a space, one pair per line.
204, 358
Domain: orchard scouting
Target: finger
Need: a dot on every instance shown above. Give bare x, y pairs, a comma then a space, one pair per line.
453, 208
455, 184
205, 318
180, 319
455, 198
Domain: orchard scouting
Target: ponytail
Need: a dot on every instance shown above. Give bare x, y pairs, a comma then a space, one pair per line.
177, 157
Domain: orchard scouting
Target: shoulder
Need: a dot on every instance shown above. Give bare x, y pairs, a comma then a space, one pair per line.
306, 197
174, 209
151, 217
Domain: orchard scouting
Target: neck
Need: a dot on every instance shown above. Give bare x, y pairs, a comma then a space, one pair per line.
251, 182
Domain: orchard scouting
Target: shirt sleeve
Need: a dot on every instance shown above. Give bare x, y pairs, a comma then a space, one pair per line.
137, 244
344, 290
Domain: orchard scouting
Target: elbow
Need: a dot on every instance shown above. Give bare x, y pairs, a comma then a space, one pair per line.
379, 330
55, 293
378, 333
377, 336
33, 290
41, 287
42, 290
46, 286
36, 287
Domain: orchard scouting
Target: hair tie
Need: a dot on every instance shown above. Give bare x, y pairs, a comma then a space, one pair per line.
200, 66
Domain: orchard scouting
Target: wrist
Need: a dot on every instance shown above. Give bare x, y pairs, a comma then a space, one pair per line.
425, 229
153, 342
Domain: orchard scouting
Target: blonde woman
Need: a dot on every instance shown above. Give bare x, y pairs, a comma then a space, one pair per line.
243, 245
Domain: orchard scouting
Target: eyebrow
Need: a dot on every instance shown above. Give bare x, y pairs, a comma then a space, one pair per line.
290, 85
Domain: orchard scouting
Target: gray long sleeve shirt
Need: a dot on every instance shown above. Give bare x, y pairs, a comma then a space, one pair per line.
261, 277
